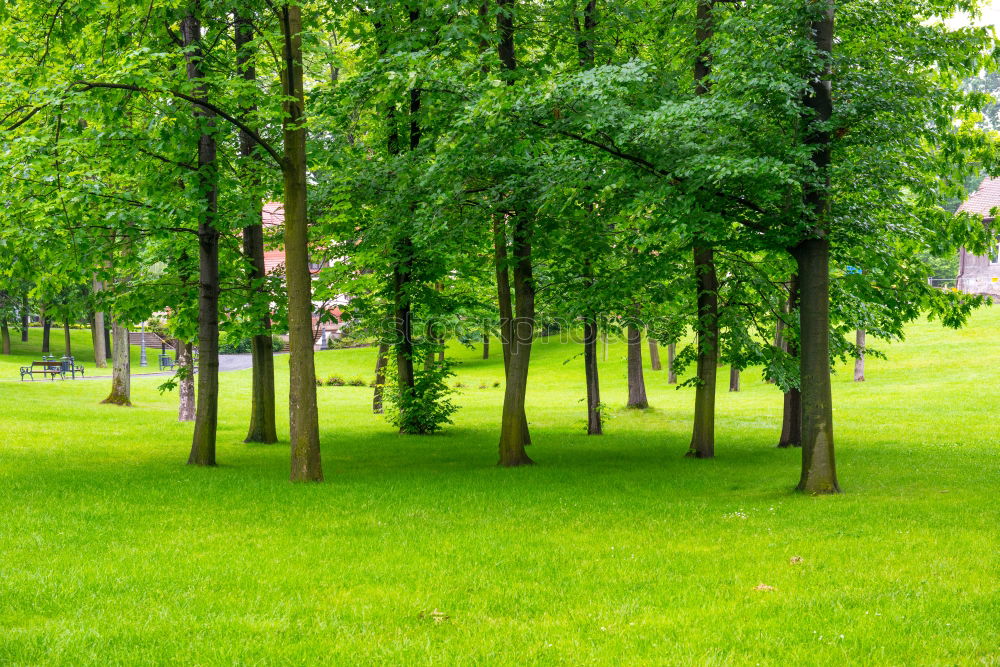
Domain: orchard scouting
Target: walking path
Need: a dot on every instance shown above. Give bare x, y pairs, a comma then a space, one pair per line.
227, 363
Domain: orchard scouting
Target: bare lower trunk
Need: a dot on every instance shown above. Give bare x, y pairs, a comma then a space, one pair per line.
25, 319
594, 426
636, 382
380, 364
67, 342
513, 429
734, 378
107, 339
46, 333
5, 334
505, 305
703, 433
791, 420
819, 473
403, 317
97, 332
121, 367
303, 414
263, 427
671, 373
654, 353
859, 361
185, 389
486, 345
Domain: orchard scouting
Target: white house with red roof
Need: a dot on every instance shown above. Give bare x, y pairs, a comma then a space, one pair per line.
980, 274
324, 332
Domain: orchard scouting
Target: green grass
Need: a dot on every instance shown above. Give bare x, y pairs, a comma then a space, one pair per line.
417, 550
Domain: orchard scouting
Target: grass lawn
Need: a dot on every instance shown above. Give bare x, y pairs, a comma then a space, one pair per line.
417, 550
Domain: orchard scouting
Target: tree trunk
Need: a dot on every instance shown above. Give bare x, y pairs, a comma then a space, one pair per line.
5, 334
703, 433
791, 420
734, 378
594, 426
812, 255
67, 341
185, 389
121, 367
654, 353
97, 333
513, 430
107, 340
207, 411
505, 305
262, 426
486, 345
46, 332
859, 361
671, 373
380, 364
306, 464
25, 318
636, 382
403, 316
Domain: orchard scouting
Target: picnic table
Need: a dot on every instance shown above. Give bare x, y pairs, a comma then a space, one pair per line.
50, 366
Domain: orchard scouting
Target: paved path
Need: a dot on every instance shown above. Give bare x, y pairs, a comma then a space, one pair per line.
227, 362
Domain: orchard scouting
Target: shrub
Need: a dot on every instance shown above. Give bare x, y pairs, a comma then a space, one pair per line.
358, 382
319, 383
277, 343
335, 381
496, 385
426, 407
235, 345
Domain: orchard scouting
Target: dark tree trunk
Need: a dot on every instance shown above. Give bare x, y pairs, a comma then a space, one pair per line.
654, 353
107, 339
791, 420
121, 367
504, 302
46, 332
97, 333
185, 389
403, 316
303, 413
5, 333
513, 430
67, 341
636, 382
25, 318
594, 426
812, 255
671, 373
859, 361
206, 414
703, 433
486, 345
380, 364
262, 426
734, 378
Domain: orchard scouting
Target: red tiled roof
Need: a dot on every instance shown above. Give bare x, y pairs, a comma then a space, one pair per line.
983, 200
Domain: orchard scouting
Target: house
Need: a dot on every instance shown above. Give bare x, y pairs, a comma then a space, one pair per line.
980, 274
324, 332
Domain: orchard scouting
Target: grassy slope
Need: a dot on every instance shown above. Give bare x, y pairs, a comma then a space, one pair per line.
613, 549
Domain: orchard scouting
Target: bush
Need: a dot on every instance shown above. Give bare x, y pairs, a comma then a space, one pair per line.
426, 407
319, 383
357, 382
335, 381
277, 344
235, 345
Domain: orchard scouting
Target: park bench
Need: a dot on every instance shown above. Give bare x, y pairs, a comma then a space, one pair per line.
166, 362
50, 368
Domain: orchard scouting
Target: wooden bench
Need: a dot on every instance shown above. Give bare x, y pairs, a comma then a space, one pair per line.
166, 362
50, 368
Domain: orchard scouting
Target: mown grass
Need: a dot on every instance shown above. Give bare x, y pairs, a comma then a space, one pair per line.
417, 550
22, 354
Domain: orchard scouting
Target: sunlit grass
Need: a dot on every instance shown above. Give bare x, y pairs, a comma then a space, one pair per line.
417, 550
